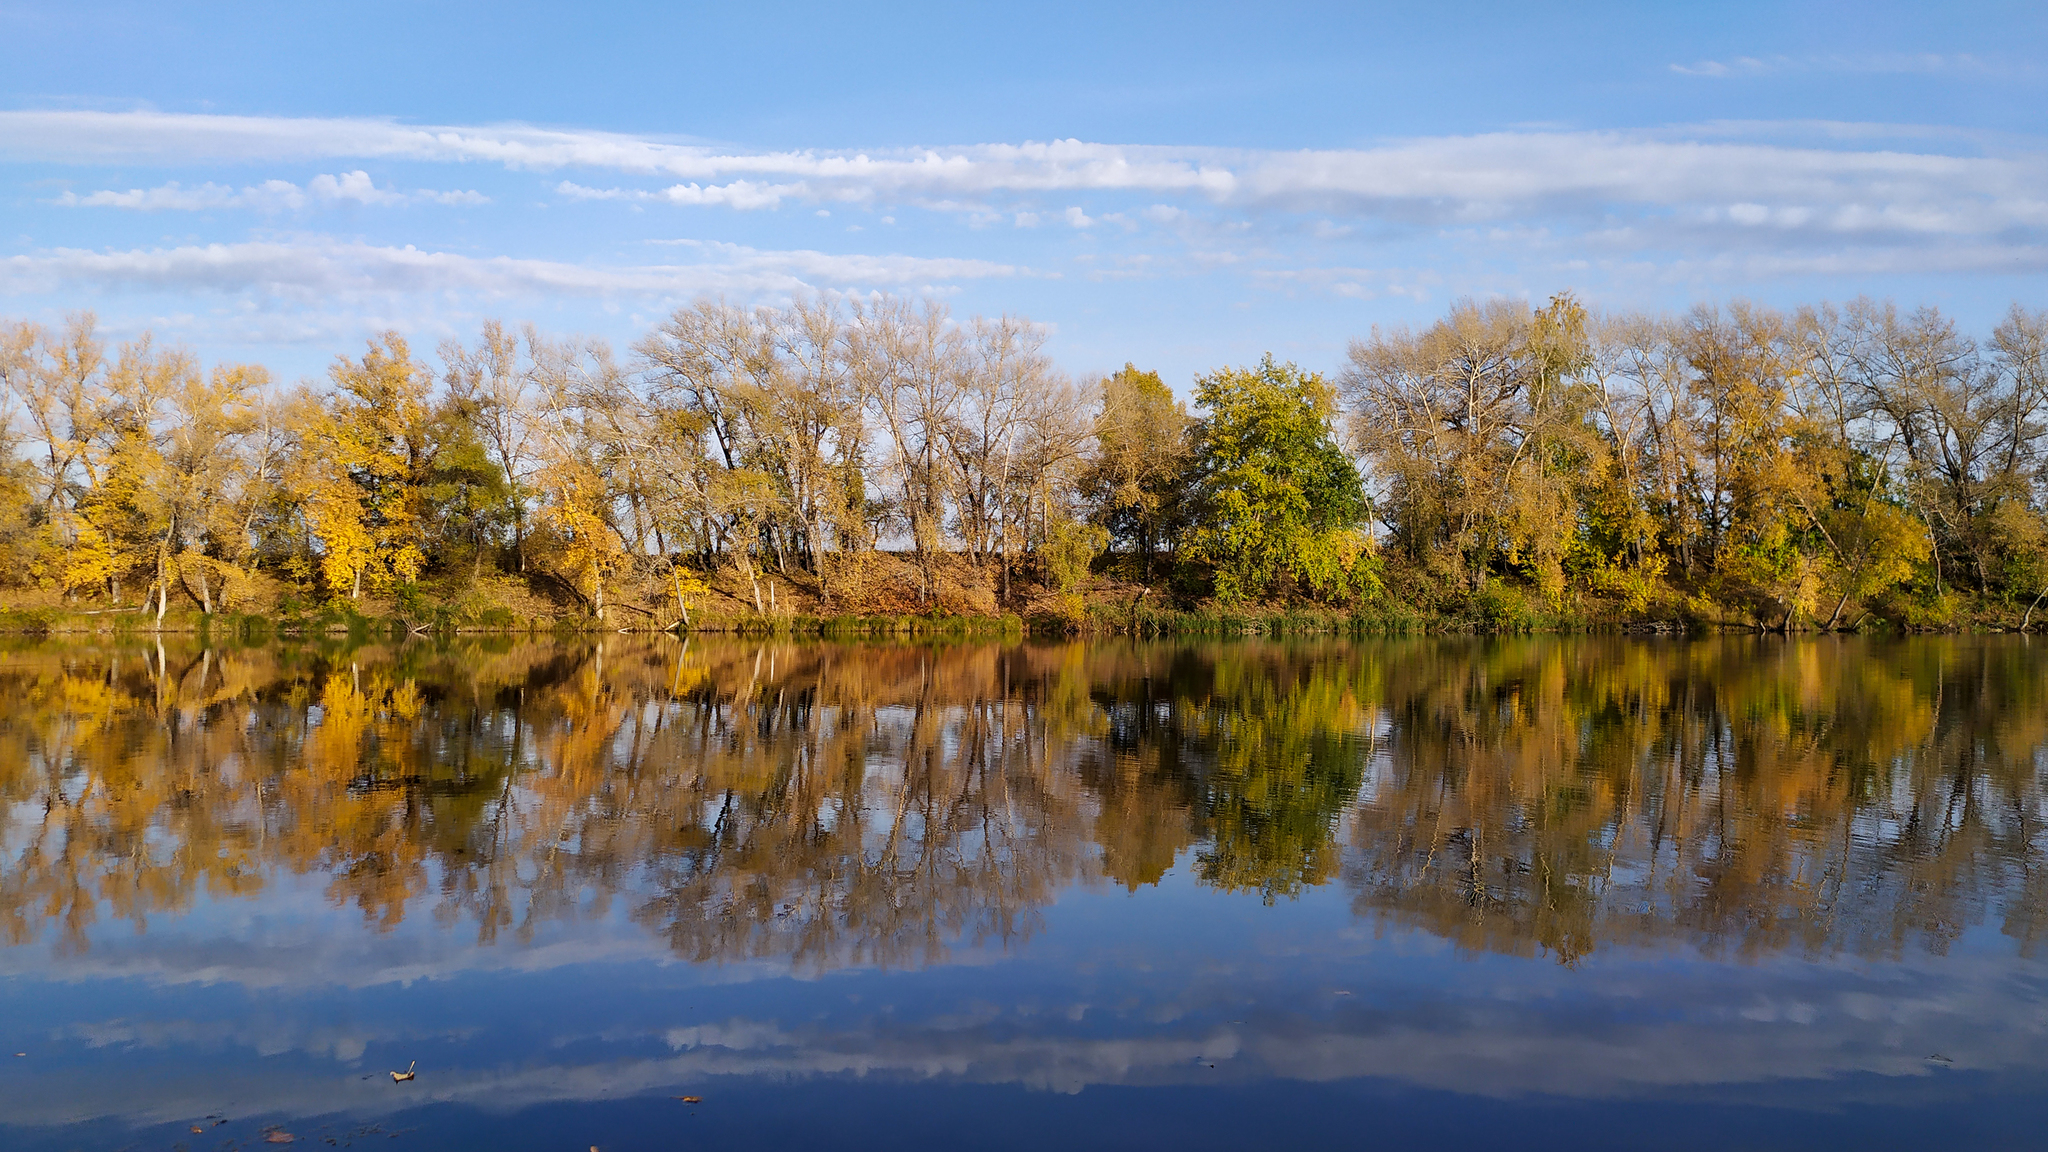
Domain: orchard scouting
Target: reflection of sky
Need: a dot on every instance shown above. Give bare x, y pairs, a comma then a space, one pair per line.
1096, 1015
282, 1006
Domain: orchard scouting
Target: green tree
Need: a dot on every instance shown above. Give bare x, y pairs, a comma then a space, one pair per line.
1278, 497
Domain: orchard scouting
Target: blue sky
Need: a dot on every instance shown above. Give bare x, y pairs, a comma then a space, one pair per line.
1179, 185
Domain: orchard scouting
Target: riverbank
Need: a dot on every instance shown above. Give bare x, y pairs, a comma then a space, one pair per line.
883, 600
1100, 620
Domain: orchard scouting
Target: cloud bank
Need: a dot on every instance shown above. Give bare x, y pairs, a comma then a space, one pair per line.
1707, 178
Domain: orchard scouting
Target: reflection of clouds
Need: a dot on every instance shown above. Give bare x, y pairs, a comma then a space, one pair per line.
1639, 1035
345, 965
1630, 1028
265, 1037
341, 958
1056, 1063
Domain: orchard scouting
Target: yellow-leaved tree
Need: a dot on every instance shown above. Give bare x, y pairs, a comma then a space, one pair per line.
581, 425
363, 459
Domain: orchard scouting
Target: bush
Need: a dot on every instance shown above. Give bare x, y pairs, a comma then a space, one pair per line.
1502, 608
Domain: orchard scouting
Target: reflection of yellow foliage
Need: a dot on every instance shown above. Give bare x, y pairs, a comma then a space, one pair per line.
829, 804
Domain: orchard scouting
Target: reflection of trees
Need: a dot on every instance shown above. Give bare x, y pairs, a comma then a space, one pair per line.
1746, 795
1255, 748
839, 805
834, 804
820, 803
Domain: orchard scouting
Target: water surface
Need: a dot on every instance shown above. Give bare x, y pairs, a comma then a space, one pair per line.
1572, 893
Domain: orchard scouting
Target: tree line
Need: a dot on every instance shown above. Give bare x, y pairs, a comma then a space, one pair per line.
1744, 461
1818, 466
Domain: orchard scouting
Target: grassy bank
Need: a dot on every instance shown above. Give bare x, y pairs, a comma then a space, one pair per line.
1099, 618
882, 597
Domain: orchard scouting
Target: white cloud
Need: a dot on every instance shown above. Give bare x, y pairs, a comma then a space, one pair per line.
578, 192
355, 187
740, 194
1427, 181
1734, 203
320, 269
270, 196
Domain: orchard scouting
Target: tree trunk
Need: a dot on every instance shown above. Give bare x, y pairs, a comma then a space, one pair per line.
818, 560
1837, 615
1839, 604
747, 566
682, 607
163, 580
205, 592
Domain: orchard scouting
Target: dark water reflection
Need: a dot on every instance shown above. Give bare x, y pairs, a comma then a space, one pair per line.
1747, 891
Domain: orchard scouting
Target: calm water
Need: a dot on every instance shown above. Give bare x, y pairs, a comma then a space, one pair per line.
1565, 893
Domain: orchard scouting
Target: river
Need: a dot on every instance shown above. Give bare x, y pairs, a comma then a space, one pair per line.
642, 893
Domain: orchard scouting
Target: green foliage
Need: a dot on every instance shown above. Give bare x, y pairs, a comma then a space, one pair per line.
1278, 498
1069, 546
1502, 608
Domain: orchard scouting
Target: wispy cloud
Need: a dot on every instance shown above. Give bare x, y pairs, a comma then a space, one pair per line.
270, 196
1722, 206
319, 268
1879, 64
1833, 189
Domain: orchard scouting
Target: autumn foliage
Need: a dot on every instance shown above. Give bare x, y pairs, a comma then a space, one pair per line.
1503, 466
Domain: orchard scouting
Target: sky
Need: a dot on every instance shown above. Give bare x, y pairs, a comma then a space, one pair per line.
1178, 185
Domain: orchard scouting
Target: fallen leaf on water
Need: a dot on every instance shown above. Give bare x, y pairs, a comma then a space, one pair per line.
689, 1099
